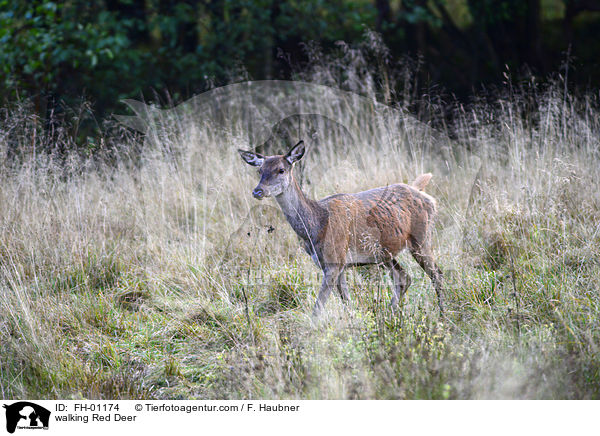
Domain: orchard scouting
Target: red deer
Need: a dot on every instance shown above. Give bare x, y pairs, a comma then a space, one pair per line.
369, 227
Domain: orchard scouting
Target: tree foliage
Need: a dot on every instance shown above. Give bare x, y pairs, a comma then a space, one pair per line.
117, 49
112, 49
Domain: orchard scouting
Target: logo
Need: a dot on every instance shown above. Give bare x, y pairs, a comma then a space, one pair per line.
26, 415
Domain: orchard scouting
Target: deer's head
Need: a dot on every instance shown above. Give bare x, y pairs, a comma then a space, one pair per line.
275, 171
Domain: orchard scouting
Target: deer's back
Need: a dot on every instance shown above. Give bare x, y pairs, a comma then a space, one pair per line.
373, 226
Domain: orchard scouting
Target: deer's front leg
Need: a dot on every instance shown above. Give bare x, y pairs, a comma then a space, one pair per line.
330, 277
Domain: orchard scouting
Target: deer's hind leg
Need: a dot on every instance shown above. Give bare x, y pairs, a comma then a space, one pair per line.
401, 283
423, 254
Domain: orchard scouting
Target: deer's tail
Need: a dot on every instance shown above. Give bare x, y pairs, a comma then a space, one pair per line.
421, 181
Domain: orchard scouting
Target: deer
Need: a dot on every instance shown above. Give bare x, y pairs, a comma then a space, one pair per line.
346, 230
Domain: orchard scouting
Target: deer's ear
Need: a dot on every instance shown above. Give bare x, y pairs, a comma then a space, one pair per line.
252, 158
296, 153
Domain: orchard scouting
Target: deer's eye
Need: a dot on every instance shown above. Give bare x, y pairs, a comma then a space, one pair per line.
281, 171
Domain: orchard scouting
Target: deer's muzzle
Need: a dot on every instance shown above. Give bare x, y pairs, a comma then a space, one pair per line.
258, 193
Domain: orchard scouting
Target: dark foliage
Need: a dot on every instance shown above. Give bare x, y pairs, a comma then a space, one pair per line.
57, 52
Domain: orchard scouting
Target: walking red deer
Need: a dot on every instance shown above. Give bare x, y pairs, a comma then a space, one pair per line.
369, 227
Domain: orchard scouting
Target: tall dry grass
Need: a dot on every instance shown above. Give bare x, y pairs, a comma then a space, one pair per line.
151, 272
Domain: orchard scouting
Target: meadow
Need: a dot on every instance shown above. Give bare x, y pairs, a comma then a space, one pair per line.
147, 270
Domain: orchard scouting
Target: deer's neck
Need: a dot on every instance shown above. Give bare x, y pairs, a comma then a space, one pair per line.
304, 215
